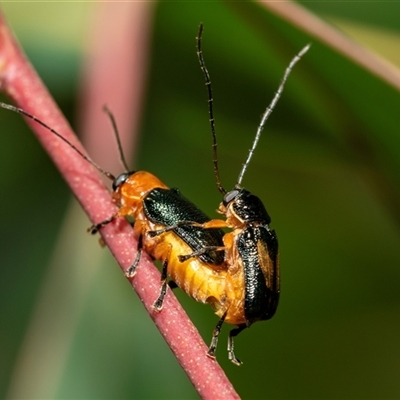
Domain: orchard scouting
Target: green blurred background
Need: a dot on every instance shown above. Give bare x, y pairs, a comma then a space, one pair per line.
327, 168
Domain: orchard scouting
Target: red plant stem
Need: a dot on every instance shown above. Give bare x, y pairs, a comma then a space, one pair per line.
21, 83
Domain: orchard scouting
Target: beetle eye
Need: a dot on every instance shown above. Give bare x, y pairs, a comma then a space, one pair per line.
120, 179
230, 196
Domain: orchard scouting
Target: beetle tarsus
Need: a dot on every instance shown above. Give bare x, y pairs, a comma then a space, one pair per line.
204, 250
231, 354
96, 227
211, 352
231, 357
158, 305
185, 257
158, 232
131, 271
93, 229
214, 340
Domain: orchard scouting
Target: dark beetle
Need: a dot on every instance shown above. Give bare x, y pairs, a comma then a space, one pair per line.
251, 248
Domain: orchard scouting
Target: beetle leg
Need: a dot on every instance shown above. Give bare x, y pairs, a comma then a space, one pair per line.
200, 252
214, 223
234, 332
122, 212
96, 227
214, 340
130, 272
158, 305
171, 228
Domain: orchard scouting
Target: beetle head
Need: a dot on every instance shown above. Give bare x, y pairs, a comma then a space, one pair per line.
246, 206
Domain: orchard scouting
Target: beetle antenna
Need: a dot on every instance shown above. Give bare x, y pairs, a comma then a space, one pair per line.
269, 110
210, 109
117, 137
32, 117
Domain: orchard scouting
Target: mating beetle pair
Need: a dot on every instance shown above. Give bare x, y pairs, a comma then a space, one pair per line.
237, 273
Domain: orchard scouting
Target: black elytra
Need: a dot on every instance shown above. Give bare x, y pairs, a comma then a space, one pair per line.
169, 207
258, 250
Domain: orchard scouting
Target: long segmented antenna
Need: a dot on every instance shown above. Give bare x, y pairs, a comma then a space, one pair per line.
210, 109
26, 114
117, 137
269, 110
